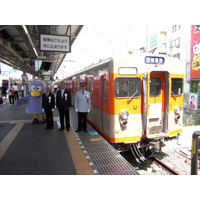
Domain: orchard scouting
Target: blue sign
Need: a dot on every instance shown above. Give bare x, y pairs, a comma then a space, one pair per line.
93, 133
154, 60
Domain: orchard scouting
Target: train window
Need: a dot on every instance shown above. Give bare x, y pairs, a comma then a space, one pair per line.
127, 87
91, 89
104, 91
73, 87
78, 85
155, 87
177, 87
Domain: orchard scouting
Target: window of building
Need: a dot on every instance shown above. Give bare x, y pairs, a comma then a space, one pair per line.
176, 43
176, 28
178, 56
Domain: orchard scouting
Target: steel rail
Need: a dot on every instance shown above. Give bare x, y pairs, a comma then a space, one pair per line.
163, 165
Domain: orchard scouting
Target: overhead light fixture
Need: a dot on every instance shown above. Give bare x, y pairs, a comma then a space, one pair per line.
7, 62
25, 29
29, 37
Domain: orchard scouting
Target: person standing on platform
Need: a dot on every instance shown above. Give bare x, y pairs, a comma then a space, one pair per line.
82, 106
63, 105
16, 91
48, 104
11, 92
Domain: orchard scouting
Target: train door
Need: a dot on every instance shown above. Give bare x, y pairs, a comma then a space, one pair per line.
103, 102
156, 104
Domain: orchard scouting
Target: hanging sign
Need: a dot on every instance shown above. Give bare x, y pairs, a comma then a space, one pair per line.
56, 43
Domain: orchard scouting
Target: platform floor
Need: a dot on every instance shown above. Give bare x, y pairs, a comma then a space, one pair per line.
29, 149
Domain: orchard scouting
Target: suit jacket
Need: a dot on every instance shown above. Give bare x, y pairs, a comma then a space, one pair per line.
48, 102
83, 101
63, 103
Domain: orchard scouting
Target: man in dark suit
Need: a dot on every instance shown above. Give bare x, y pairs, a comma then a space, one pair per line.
48, 104
63, 104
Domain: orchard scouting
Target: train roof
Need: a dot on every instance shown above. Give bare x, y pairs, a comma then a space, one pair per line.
172, 65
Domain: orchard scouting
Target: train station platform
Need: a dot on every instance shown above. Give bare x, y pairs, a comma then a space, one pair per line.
30, 149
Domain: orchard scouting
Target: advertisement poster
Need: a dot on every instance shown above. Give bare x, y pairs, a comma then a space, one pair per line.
193, 101
195, 52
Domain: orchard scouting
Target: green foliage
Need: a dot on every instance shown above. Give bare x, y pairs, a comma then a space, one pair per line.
193, 119
189, 121
194, 86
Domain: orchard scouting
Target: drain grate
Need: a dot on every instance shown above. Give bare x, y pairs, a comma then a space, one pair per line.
106, 159
103, 158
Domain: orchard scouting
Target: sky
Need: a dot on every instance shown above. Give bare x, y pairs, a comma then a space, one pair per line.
102, 41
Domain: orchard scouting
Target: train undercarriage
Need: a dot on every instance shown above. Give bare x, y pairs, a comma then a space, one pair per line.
145, 149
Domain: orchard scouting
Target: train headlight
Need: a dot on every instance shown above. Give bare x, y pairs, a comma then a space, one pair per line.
124, 115
177, 112
124, 118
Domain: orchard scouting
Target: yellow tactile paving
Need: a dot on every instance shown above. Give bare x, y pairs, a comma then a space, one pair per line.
6, 142
80, 162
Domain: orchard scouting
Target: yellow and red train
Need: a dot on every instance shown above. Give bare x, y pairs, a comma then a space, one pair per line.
136, 101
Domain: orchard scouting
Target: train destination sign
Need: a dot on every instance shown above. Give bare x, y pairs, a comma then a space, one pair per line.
154, 60
56, 43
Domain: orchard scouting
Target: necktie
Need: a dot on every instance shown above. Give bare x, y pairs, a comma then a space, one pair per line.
82, 92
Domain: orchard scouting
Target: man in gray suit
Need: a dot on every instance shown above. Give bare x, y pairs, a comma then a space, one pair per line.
82, 106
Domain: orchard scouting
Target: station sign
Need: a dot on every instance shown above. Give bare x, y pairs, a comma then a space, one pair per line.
48, 73
154, 60
47, 78
55, 43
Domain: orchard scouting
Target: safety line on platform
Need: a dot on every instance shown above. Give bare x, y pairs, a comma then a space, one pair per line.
80, 161
6, 142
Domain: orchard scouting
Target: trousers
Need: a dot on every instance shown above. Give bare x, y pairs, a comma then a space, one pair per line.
63, 113
82, 121
49, 118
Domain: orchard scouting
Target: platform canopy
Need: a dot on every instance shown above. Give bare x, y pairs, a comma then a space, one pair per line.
20, 45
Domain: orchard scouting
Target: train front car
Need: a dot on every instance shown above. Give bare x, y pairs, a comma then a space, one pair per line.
147, 103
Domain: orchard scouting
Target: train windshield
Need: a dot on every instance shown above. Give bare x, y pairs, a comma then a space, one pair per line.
127, 87
177, 87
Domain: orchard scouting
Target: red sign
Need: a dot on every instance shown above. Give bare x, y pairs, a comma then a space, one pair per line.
195, 52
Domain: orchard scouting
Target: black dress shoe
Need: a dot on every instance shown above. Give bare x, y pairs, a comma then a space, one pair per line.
61, 129
78, 130
67, 129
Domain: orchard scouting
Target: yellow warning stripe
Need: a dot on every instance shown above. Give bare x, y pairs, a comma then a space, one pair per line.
96, 139
80, 162
6, 142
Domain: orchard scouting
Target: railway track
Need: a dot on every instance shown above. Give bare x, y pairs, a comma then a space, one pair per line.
164, 166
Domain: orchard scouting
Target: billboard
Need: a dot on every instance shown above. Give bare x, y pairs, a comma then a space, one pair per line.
193, 101
195, 52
